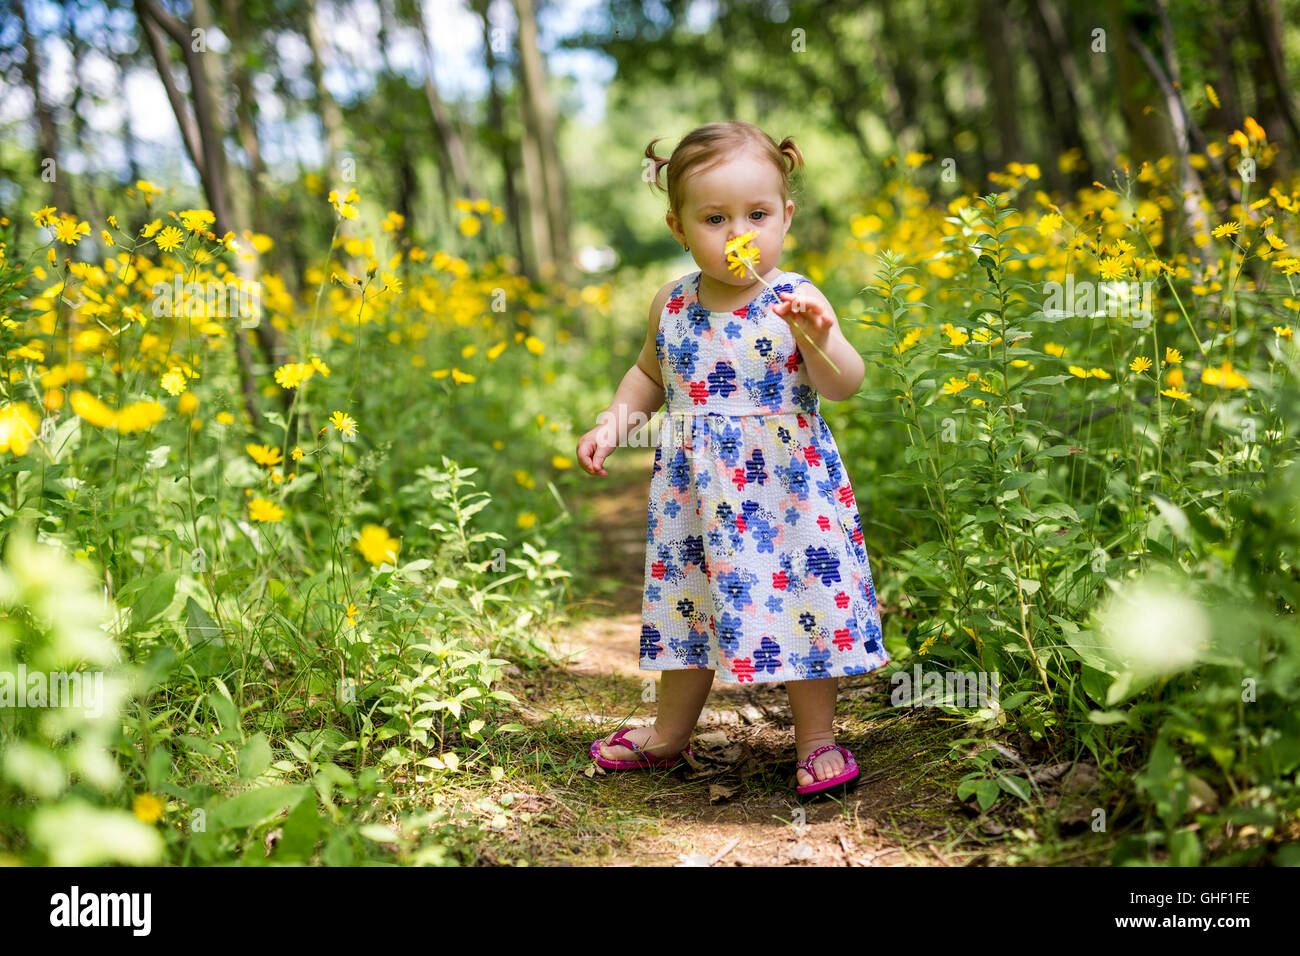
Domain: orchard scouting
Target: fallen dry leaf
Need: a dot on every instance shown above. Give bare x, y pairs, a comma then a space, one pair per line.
719, 791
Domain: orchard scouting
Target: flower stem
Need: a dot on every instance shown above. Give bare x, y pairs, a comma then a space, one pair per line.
792, 325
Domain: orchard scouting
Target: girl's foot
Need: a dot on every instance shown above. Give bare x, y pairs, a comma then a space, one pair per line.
827, 765
647, 738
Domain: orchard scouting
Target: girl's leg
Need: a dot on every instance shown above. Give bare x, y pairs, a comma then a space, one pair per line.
813, 704
681, 698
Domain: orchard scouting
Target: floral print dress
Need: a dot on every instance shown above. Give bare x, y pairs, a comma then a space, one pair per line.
755, 564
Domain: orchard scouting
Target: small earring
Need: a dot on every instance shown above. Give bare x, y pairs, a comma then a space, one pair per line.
686, 248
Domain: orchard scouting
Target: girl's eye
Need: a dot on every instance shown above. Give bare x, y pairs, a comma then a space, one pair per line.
759, 211
713, 217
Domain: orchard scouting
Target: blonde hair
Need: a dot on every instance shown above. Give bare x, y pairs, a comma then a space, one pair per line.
705, 145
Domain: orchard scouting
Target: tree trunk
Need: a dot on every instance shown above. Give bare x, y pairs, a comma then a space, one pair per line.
993, 29
498, 137
203, 142
1080, 108
1192, 192
328, 110
45, 130
449, 139
1266, 20
537, 104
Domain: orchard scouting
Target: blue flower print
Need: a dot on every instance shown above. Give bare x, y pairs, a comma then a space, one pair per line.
795, 478
727, 442
651, 642
768, 655
682, 356
805, 397
732, 330
763, 345
814, 664
693, 649
652, 593
698, 319
823, 563
722, 380
735, 586
679, 471
774, 604
729, 632
692, 551
671, 507
768, 389
754, 470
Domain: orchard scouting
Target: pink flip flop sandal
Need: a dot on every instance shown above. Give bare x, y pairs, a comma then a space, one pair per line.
847, 775
645, 761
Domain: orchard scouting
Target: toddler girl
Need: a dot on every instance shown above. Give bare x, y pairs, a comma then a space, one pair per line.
755, 566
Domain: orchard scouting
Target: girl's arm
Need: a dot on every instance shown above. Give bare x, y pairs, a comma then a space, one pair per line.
639, 395
807, 308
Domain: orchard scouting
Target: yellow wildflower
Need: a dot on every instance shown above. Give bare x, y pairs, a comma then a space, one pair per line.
147, 808
1224, 377
1140, 364
197, 220
377, 545
18, 426
70, 231
264, 454
174, 381
170, 238
343, 424
954, 385
259, 509
92, 409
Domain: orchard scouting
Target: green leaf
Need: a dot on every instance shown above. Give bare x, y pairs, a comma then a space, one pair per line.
255, 756
255, 806
151, 597
199, 625
1173, 515
74, 833
986, 793
1016, 786
379, 833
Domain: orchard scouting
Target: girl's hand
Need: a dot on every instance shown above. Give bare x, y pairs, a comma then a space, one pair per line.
593, 449
807, 315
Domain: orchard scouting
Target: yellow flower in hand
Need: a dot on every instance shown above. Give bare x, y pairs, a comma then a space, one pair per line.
741, 254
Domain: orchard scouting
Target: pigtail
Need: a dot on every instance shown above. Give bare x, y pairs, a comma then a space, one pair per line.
650, 170
793, 157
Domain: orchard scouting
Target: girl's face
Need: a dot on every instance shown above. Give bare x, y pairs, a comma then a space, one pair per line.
740, 194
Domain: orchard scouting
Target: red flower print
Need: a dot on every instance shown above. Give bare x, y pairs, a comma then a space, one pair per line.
658, 570
738, 478
699, 392
841, 600
843, 639
675, 304
823, 522
743, 668
812, 455
846, 496
780, 580
792, 363
803, 422
856, 536
740, 523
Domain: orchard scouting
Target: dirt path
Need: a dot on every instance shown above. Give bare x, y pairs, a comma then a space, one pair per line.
734, 804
